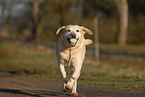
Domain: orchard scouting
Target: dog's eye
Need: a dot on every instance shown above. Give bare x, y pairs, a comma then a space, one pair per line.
77, 30
68, 30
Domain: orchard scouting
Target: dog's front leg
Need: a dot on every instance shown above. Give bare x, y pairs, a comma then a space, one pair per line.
71, 81
74, 89
63, 73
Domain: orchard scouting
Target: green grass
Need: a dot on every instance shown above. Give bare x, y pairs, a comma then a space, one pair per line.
27, 60
113, 76
36, 61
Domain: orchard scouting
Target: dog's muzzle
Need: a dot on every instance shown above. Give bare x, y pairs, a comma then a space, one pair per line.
72, 43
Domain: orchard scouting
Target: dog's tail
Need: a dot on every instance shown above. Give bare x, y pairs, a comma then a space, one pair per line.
88, 41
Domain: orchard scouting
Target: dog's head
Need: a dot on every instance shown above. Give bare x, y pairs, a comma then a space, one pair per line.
73, 33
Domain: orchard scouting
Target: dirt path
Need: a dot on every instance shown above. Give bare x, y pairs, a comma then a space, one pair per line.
29, 87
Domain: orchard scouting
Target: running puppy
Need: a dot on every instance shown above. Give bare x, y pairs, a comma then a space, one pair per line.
70, 52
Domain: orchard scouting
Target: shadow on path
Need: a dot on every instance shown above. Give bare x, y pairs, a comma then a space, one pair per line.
33, 93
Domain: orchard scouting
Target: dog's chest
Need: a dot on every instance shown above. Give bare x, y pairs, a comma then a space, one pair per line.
74, 54
65, 54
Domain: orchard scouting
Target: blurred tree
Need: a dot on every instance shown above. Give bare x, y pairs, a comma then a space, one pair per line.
6, 16
35, 14
18, 16
49, 20
137, 8
91, 7
122, 7
65, 7
53, 14
96, 39
3, 5
62, 7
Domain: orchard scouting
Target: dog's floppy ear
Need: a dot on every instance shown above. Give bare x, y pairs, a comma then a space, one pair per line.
63, 27
87, 30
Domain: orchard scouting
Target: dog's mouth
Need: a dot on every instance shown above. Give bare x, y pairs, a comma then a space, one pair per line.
72, 41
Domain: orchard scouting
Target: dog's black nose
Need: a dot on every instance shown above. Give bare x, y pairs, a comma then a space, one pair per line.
73, 35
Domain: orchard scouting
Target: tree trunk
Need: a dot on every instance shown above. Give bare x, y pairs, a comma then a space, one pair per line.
62, 12
122, 7
35, 14
96, 39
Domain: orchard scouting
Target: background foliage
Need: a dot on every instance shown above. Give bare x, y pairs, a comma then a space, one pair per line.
17, 18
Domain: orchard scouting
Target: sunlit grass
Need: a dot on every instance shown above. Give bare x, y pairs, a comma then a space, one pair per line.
113, 76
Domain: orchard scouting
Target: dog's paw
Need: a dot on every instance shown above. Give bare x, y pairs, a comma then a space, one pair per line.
65, 90
65, 80
68, 87
74, 94
69, 84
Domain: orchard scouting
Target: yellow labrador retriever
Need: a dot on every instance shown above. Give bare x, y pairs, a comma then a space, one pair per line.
70, 52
